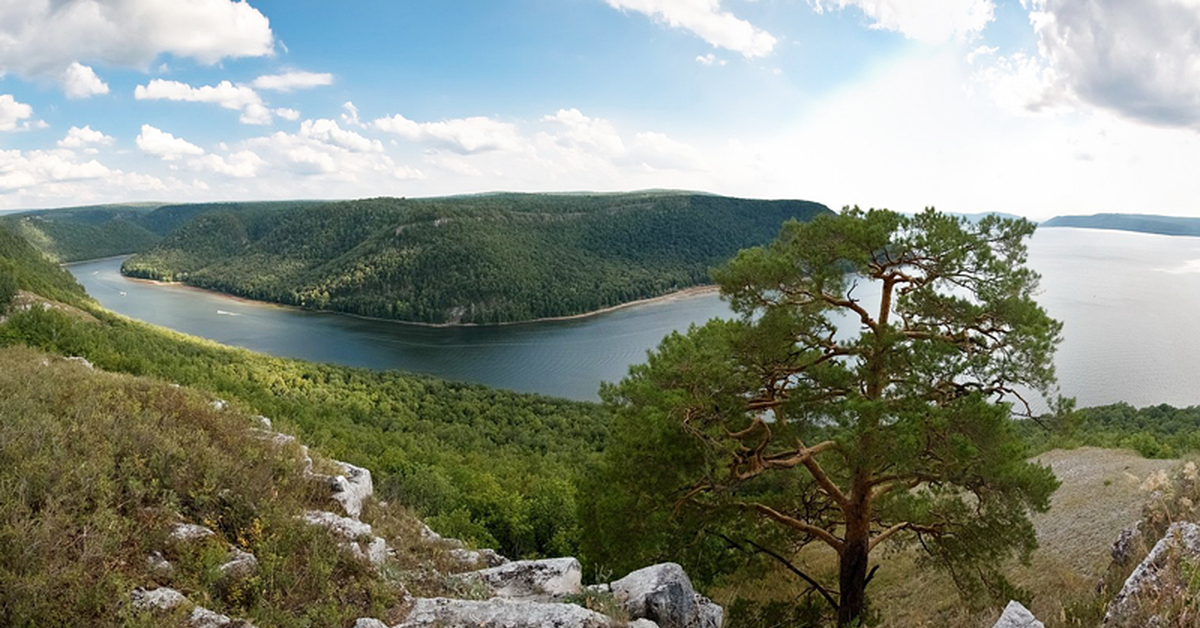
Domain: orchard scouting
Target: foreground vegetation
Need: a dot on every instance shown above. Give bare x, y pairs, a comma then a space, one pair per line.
97, 468
474, 259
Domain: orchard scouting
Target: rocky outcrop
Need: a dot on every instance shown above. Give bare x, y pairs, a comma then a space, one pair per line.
352, 488
188, 533
369, 622
501, 613
531, 580
163, 600
359, 537
1015, 615
1158, 580
663, 593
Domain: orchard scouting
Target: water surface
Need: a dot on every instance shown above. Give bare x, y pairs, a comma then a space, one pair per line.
1130, 304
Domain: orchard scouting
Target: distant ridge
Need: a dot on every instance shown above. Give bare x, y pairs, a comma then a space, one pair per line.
474, 259
1141, 223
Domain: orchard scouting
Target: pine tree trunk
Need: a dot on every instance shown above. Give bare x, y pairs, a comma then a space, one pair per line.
852, 580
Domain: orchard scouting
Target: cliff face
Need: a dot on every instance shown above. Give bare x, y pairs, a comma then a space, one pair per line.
140, 502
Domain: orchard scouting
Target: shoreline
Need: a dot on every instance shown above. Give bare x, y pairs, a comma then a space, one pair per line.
683, 293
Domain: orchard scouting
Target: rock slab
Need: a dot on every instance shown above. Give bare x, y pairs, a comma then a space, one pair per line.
1015, 615
501, 613
1148, 585
533, 580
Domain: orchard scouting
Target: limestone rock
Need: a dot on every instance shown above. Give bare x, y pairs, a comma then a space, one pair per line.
1015, 615
1124, 548
663, 593
159, 565
501, 613
1149, 584
156, 600
203, 618
241, 565
352, 488
81, 361
368, 622
531, 579
429, 536
263, 421
344, 527
188, 532
218, 404
641, 623
352, 531
472, 558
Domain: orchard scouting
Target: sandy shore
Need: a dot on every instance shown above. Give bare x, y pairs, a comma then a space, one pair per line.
670, 296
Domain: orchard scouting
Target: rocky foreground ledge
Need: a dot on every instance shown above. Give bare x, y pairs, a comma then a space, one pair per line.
504, 593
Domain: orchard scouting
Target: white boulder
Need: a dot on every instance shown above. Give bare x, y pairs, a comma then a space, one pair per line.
531, 580
501, 613
1015, 615
663, 594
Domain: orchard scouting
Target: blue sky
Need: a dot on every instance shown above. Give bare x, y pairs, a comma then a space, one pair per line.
1035, 107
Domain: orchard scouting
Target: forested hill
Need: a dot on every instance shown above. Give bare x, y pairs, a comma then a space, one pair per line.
1143, 223
73, 234
470, 259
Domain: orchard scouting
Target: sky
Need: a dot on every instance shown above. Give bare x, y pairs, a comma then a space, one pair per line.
1032, 107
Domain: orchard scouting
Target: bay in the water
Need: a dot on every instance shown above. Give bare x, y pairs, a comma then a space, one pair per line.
1130, 303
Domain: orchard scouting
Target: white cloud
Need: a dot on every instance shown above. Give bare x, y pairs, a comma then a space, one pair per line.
581, 132
328, 131
24, 170
242, 164
226, 94
1139, 59
80, 81
82, 137
706, 19
42, 38
930, 21
162, 144
350, 114
12, 112
290, 115
709, 59
289, 81
462, 135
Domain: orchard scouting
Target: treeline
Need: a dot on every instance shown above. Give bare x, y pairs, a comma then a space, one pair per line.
474, 259
81, 233
495, 467
1160, 431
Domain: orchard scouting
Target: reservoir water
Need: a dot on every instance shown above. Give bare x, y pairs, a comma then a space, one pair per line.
1130, 304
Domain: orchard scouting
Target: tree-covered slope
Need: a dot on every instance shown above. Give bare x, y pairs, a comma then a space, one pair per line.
22, 267
1142, 223
473, 259
74, 234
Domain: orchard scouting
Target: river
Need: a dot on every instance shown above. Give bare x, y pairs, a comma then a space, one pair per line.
1130, 304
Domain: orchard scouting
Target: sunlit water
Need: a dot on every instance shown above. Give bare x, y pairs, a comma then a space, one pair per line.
1130, 303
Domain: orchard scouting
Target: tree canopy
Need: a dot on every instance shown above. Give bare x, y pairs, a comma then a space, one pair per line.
864, 394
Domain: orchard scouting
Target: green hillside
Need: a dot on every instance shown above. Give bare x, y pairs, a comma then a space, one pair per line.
1142, 223
75, 234
472, 259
